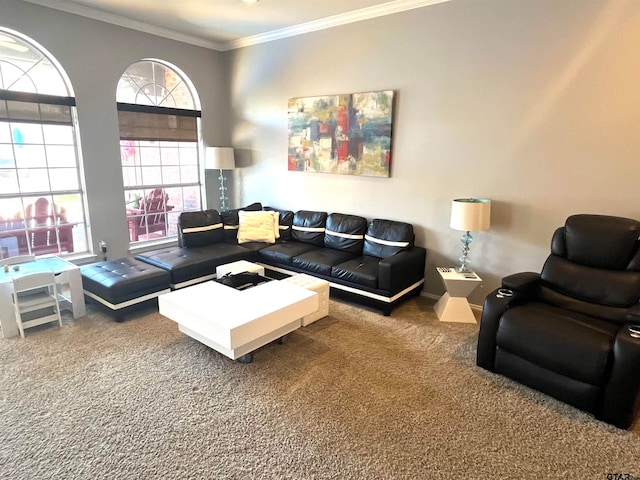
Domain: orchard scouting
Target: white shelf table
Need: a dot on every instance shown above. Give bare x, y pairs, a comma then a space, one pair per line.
453, 306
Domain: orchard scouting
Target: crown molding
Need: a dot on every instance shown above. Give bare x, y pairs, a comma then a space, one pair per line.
125, 22
333, 21
388, 8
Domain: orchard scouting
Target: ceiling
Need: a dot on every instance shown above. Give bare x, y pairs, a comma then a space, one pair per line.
227, 24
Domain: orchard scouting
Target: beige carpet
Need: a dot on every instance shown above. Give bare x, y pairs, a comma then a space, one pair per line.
353, 396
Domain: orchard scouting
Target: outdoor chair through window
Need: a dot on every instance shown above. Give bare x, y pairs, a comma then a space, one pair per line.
150, 217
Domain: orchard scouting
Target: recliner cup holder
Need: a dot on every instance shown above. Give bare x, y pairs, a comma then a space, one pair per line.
634, 330
504, 292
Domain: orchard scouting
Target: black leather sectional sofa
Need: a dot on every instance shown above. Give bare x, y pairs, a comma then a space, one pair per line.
373, 262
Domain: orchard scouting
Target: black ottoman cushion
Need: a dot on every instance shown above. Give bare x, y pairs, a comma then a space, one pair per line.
192, 265
122, 280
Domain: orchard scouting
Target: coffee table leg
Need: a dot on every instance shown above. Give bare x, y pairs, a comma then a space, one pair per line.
246, 358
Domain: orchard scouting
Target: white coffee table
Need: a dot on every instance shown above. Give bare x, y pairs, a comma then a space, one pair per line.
239, 267
237, 322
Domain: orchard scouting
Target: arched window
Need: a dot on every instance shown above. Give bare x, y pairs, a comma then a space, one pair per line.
42, 206
159, 137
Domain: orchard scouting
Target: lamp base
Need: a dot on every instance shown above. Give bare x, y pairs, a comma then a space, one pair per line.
223, 195
464, 267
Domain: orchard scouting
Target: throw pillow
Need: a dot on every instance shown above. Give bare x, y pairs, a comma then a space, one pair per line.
257, 226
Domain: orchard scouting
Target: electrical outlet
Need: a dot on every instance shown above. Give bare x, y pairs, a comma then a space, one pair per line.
103, 246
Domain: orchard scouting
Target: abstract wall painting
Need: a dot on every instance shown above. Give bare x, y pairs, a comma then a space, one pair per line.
347, 134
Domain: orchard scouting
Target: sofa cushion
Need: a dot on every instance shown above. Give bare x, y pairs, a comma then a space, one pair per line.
385, 238
320, 260
199, 228
258, 227
285, 222
345, 232
362, 270
283, 253
231, 221
309, 227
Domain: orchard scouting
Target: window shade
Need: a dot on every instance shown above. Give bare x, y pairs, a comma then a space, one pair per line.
36, 111
152, 126
150, 122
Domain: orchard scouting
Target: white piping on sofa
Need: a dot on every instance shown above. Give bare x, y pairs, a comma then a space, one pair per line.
363, 293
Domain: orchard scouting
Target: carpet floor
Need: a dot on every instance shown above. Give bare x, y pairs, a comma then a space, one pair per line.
355, 395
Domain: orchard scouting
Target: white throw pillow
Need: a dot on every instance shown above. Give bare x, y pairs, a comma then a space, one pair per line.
257, 226
276, 224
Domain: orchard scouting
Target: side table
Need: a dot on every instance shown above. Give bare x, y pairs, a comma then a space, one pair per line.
453, 305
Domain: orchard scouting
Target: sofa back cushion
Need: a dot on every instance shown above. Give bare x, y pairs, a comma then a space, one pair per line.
285, 222
385, 238
345, 232
196, 229
309, 227
231, 221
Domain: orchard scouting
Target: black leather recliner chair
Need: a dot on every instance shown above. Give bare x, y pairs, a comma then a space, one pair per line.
570, 331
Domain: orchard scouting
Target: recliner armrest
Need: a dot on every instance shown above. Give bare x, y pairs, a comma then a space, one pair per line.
516, 289
520, 282
402, 269
633, 314
622, 392
494, 306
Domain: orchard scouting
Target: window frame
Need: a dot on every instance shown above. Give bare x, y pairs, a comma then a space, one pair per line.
26, 233
144, 123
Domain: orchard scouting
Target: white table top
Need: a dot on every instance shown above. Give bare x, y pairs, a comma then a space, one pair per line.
47, 264
450, 273
231, 308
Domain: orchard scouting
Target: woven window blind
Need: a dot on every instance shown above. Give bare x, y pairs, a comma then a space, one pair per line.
36, 108
139, 122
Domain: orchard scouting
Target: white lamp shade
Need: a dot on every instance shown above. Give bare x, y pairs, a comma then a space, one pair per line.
219, 158
470, 214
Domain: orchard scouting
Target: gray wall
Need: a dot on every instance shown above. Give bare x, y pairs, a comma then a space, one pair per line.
534, 104
94, 56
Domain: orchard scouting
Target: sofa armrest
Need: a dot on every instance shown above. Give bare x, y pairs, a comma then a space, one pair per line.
621, 398
401, 270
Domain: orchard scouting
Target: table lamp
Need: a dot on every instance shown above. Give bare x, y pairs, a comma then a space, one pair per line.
469, 215
220, 158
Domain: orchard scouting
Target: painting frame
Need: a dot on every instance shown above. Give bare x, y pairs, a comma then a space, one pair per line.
345, 134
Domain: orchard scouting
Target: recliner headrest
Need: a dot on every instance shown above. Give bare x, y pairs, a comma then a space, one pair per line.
601, 241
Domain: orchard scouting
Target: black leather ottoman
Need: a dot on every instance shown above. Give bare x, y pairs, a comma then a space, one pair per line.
123, 283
